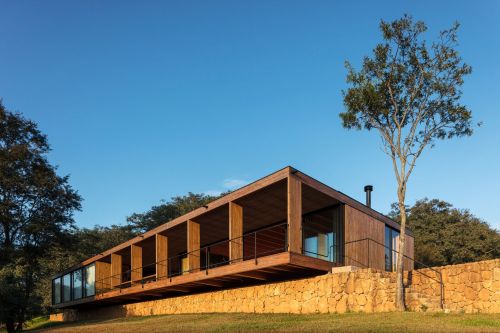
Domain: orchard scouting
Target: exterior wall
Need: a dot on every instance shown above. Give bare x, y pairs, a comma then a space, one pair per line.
471, 288
102, 275
361, 252
358, 226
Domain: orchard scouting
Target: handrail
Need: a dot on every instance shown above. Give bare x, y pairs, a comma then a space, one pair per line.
440, 280
106, 284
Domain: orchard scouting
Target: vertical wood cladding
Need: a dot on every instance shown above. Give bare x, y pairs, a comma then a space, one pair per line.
136, 262
161, 256
116, 269
294, 214
193, 246
360, 252
235, 232
102, 276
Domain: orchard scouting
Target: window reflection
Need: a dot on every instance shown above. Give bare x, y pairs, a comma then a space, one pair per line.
66, 281
90, 280
77, 284
56, 288
391, 247
321, 234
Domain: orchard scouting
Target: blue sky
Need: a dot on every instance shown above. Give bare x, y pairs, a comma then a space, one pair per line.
146, 100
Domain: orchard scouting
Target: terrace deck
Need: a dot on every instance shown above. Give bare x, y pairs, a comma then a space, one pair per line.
279, 266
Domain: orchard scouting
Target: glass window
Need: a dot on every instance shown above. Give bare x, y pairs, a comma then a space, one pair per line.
90, 280
56, 290
391, 248
388, 251
66, 282
77, 284
321, 230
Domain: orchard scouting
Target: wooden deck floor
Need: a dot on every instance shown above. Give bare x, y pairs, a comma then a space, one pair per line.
281, 266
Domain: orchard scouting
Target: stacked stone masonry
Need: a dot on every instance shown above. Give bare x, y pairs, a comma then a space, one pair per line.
470, 288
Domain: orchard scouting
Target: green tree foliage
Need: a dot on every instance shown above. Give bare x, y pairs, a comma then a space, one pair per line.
36, 207
409, 92
445, 235
158, 215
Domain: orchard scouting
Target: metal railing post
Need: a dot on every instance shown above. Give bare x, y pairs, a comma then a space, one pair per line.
368, 241
255, 247
207, 263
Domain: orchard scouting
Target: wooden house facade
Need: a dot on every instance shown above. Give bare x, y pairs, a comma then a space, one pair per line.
283, 226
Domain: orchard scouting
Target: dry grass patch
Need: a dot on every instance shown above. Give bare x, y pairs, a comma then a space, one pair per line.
350, 322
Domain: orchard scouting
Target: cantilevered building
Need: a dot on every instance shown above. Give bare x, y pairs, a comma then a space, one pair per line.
283, 226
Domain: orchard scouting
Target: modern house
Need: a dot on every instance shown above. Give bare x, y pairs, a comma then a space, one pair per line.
283, 226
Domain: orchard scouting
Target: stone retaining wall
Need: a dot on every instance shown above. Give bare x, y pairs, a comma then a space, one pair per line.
473, 287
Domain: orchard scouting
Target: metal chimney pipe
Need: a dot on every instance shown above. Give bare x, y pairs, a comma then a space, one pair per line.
368, 190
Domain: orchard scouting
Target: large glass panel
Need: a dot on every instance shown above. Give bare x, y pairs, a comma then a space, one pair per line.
56, 290
321, 234
391, 248
388, 247
90, 280
66, 281
395, 248
77, 284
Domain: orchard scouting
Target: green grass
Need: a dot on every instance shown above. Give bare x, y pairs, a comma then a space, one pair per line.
36, 324
350, 322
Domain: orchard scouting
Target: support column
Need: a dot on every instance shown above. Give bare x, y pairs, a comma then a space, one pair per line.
294, 214
135, 263
116, 269
161, 256
193, 246
235, 232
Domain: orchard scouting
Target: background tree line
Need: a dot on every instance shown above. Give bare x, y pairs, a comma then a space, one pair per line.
38, 235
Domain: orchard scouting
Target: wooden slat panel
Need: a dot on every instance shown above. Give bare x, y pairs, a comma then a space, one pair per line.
193, 245
116, 269
294, 214
136, 262
102, 276
359, 226
161, 256
235, 232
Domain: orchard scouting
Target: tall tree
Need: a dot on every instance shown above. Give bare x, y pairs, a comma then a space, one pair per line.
36, 207
409, 92
445, 235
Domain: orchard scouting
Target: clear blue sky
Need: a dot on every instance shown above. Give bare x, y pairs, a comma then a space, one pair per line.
146, 100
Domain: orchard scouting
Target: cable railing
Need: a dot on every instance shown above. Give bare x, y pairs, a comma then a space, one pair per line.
369, 263
251, 246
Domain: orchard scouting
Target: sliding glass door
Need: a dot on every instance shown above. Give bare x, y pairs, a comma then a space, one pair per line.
321, 234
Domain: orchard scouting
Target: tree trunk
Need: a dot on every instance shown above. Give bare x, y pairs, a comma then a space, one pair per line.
10, 325
400, 301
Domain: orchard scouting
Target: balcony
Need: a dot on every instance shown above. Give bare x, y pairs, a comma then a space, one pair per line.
276, 229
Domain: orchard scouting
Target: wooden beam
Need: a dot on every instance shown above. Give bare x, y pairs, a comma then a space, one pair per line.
161, 256
254, 275
294, 214
235, 232
135, 263
211, 283
193, 246
116, 269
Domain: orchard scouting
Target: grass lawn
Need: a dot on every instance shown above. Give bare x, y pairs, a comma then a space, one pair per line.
350, 322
